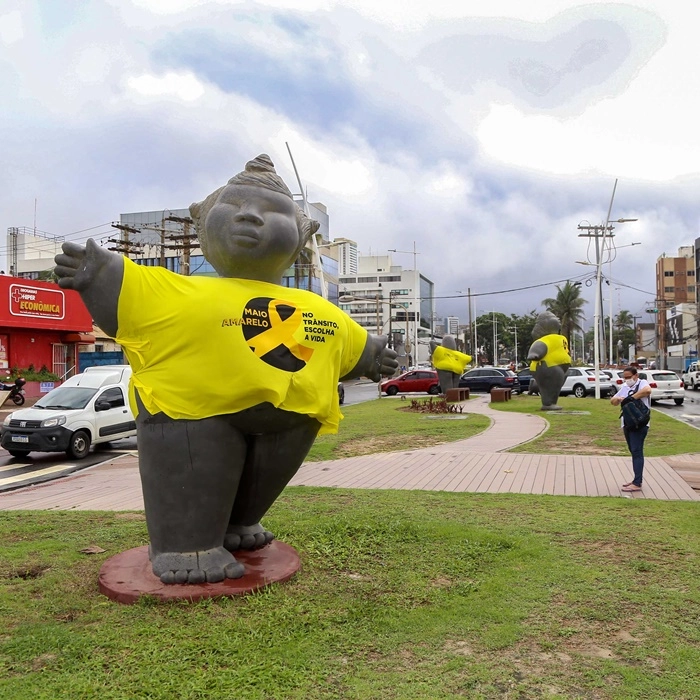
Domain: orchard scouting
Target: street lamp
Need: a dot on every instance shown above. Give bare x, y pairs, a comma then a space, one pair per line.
472, 328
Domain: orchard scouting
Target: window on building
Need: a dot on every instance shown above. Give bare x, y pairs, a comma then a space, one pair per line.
391, 278
691, 288
366, 279
691, 273
669, 289
668, 273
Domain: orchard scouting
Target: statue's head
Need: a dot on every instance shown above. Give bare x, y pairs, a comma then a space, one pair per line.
251, 227
546, 324
448, 342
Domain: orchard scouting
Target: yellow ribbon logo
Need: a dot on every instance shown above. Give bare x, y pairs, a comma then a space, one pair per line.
280, 332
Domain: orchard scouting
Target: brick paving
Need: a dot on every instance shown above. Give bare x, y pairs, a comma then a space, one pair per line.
477, 464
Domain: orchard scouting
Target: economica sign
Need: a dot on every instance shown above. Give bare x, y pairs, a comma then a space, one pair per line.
36, 302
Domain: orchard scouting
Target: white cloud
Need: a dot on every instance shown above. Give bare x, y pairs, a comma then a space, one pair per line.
182, 85
11, 27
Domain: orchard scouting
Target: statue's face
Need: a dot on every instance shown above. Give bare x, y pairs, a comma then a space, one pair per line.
251, 232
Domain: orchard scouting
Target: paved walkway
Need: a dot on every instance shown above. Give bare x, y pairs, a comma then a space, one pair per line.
477, 464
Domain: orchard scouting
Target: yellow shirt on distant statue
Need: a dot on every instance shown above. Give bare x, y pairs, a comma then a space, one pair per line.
207, 346
557, 351
449, 360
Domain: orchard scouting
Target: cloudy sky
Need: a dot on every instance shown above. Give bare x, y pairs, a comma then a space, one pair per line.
483, 132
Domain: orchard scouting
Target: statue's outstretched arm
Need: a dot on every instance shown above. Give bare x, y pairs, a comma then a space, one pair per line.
96, 274
377, 360
537, 351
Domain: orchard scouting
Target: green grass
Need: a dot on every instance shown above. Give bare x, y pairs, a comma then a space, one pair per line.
599, 432
384, 425
411, 595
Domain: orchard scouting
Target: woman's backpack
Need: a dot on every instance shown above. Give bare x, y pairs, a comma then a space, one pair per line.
635, 413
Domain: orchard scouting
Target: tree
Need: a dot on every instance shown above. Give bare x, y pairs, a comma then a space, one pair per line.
567, 306
623, 320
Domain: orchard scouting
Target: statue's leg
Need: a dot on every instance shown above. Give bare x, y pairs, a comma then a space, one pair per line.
447, 380
274, 457
190, 471
550, 381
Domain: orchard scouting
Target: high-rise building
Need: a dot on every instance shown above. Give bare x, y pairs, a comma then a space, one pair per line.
452, 325
388, 300
675, 289
347, 256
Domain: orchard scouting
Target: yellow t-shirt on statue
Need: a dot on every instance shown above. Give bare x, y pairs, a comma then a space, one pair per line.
557, 351
450, 360
208, 346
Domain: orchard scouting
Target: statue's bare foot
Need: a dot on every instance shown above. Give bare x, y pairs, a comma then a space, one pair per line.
208, 566
247, 537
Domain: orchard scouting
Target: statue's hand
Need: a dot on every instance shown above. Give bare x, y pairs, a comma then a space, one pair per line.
388, 364
78, 266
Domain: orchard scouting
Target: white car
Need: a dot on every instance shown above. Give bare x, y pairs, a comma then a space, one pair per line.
665, 385
580, 381
616, 376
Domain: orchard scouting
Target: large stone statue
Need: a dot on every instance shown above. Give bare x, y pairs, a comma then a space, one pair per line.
448, 362
233, 377
549, 359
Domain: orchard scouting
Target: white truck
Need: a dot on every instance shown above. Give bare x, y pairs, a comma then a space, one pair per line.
88, 409
691, 376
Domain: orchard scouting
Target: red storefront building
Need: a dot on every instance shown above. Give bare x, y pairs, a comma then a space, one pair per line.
41, 325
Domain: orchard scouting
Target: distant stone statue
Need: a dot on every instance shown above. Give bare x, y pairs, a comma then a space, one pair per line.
448, 362
549, 359
233, 377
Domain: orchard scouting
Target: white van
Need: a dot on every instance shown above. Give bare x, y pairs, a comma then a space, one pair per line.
87, 409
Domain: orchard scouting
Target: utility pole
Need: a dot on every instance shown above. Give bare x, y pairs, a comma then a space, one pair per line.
598, 232
189, 242
124, 244
515, 330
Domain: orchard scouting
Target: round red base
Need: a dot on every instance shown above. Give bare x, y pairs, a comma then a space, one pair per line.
127, 576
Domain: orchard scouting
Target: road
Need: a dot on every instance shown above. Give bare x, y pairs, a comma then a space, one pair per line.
44, 466
688, 413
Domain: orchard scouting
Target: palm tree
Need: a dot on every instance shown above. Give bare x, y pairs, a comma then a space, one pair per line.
567, 306
624, 320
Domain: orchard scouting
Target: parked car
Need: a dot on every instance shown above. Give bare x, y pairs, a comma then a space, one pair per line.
664, 385
341, 393
416, 380
691, 377
89, 408
617, 379
580, 381
486, 378
524, 377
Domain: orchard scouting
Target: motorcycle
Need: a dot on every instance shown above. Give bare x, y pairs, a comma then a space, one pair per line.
16, 391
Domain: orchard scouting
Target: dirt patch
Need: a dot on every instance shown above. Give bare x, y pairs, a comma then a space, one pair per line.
130, 516
28, 572
462, 648
383, 443
625, 636
41, 661
597, 652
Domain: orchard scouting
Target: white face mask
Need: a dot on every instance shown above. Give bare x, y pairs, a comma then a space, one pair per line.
630, 382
